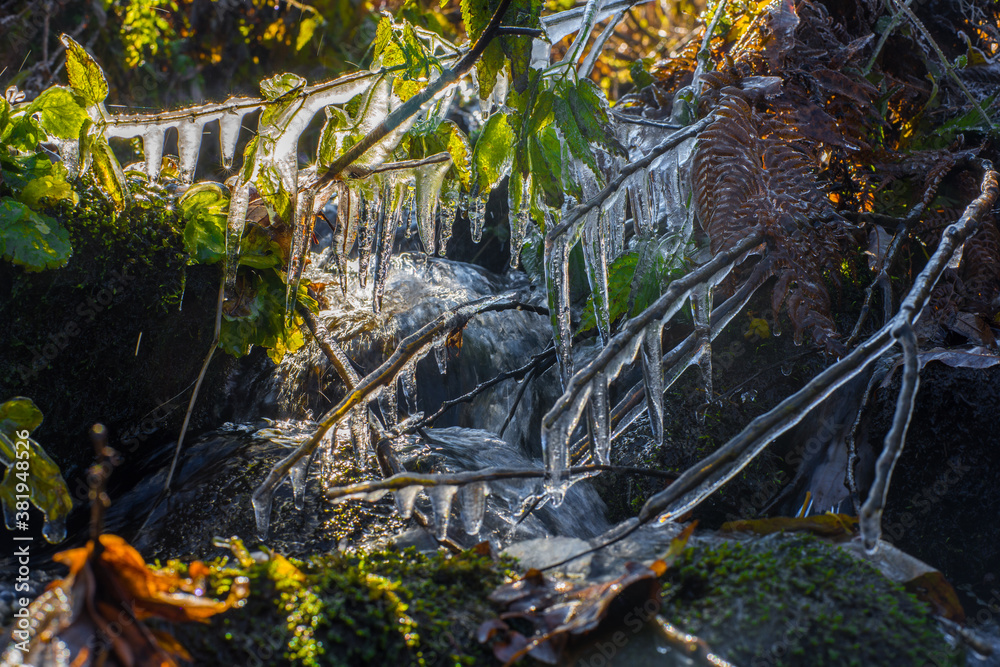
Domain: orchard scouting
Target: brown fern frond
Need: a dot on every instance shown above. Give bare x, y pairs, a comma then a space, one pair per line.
749, 175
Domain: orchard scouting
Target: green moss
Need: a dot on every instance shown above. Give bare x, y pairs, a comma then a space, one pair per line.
795, 600
387, 607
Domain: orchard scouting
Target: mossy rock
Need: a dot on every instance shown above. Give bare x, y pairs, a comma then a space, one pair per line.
105, 338
787, 600
386, 607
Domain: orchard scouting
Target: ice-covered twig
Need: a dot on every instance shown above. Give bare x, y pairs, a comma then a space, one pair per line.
401, 480
416, 103
382, 376
578, 213
701, 480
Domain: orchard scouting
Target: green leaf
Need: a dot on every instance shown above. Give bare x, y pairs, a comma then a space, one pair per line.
258, 250
204, 207
488, 68
17, 414
334, 139
620, 275
60, 113
281, 85
494, 152
457, 145
575, 140
640, 74
383, 35
30, 239
261, 320
545, 161
85, 75
30, 471
108, 174
48, 189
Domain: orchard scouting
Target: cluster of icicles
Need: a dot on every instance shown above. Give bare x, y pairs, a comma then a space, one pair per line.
652, 183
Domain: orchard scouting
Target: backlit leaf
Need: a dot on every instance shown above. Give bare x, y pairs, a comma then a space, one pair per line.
494, 152
85, 75
30, 239
59, 112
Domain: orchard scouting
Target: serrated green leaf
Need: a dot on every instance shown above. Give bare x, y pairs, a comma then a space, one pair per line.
108, 174
60, 114
30, 239
281, 85
575, 140
334, 136
263, 298
405, 88
48, 189
494, 152
204, 207
545, 160
85, 75
488, 68
383, 35
307, 28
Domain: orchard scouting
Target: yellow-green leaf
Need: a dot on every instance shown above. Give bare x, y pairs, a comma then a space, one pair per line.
306, 31
48, 189
85, 75
108, 174
60, 114
494, 152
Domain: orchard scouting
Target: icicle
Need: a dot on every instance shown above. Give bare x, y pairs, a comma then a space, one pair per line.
366, 234
239, 201
348, 217
557, 285
449, 208
555, 448
473, 497
595, 256
441, 355
520, 213
477, 216
701, 308
405, 498
600, 421
262, 513
152, 150
428, 181
616, 222
188, 147
408, 381
652, 373
229, 132
392, 196
305, 221
390, 407
441, 497
298, 476
360, 435
638, 194
69, 153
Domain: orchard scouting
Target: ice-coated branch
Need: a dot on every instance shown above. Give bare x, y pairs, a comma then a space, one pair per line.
871, 511
382, 376
705, 477
578, 213
369, 489
413, 105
